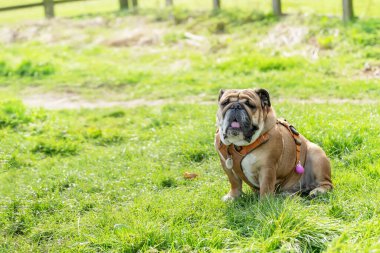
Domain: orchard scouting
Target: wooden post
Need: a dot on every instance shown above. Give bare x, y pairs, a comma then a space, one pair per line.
216, 5
277, 7
348, 10
169, 5
135, 4
123, 4
49, 8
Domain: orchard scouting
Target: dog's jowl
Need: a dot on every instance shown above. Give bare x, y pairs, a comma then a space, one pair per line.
265, 152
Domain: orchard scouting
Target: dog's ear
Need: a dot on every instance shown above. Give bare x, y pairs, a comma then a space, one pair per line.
221, 92
264, 97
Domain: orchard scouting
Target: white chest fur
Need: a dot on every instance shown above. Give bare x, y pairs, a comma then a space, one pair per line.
250, 170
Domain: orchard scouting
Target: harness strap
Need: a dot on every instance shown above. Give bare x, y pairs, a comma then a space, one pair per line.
238, 155
237, 168
298, 142
295, 135
244, 150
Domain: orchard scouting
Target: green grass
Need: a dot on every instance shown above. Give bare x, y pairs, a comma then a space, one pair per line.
81, 60
130, 195
111, 179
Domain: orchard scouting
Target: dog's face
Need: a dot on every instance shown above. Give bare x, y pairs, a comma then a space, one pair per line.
240, 116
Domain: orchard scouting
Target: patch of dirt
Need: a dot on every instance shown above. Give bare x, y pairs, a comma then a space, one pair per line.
330, 101
371, 71
52, 101
128, 31
119, 32
136, 37
284, 35
288, 38
58, 30
196, 41
72, 101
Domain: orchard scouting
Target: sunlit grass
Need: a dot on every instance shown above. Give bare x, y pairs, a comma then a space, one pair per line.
111, 180
246, 54
131, 195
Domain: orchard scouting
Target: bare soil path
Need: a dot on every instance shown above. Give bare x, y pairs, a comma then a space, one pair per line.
71, 101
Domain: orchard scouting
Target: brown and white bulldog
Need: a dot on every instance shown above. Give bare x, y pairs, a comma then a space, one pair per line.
266, 153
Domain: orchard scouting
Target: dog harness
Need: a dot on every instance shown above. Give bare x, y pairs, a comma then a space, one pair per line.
233, 155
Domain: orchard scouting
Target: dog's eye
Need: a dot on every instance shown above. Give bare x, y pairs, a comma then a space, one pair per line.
252, 106
225, 102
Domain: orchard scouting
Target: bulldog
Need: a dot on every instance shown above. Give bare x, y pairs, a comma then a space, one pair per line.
265, 152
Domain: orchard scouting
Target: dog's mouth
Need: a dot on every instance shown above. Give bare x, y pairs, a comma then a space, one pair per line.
234, 128
235, 125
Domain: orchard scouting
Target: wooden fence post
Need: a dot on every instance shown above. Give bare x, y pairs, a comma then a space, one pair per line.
49, 8
169, 5
348, 10
123, 4
135, 4
216, 5
277, 7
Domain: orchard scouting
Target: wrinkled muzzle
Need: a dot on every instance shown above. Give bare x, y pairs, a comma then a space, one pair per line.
237, 122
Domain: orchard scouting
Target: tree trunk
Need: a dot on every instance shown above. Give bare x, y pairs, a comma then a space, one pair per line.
348, 10
169, 2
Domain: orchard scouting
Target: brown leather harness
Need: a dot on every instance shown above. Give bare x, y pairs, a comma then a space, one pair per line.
235, 154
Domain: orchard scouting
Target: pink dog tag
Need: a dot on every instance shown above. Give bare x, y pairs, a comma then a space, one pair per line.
300, 169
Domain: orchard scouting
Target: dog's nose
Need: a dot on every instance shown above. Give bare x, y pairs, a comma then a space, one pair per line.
236, 106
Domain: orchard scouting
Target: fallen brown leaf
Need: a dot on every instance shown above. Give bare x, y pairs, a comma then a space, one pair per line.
189, 175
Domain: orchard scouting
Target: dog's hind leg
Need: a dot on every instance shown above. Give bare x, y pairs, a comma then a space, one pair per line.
320, 167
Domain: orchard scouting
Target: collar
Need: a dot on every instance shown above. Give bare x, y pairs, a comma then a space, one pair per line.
244, 150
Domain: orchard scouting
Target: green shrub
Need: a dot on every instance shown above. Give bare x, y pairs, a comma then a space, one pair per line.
326, 42
116, 114
93, 133
4, 69
103, 137
19, 221
12, 114
248, 63
27, 68
54, 147
168, 182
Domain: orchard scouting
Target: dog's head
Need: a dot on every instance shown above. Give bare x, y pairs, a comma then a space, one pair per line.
240, 116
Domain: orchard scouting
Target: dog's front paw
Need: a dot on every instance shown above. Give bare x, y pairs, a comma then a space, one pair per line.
228, 197
231, 196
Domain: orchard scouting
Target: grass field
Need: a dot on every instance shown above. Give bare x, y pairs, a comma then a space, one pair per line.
111, 179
